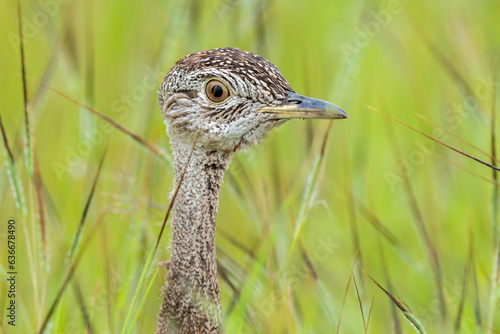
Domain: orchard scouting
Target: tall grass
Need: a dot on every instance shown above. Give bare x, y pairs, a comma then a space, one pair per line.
294, 211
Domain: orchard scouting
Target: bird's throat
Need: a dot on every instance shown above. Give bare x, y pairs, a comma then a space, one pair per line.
191, 301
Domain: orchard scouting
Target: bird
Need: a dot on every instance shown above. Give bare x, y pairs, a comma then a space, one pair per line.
214, 103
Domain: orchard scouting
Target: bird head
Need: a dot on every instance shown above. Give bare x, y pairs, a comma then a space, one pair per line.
229, 99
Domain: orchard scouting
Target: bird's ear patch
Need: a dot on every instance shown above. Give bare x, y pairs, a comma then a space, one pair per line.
237, 145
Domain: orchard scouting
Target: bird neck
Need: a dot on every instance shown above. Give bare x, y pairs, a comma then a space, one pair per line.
191, 299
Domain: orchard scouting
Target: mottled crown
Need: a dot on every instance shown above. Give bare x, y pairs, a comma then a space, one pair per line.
243, 65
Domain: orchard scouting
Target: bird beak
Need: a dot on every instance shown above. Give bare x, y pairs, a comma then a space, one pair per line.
299, 106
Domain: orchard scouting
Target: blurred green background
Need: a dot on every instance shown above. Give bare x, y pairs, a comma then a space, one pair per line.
405, 210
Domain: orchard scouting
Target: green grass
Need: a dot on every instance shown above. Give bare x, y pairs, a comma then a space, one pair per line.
297, 224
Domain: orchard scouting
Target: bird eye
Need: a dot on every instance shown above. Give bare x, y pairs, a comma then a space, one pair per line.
216, 91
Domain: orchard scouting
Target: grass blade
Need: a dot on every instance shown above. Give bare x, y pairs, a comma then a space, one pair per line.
406, 312
15, 181
397, 323
360, 303
73, 248
27, 127
141, 141
437, 141
308, 194
345, 291
495, 217
460, 139
378, 225
477, 304
353, 221
370, 312
418, 218
67, 279
309, 189
83, 307
108, 279
78, 234
495, 195
493, 182
143, 300
446, 63
461, 304
327, 304
37, 179
30, 148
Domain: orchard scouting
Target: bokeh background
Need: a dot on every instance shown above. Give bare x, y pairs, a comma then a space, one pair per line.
300, 229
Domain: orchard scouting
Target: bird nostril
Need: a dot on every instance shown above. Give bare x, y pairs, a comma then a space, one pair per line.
294, 101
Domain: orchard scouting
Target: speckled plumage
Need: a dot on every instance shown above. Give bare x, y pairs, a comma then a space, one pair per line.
191, 295
191, 302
